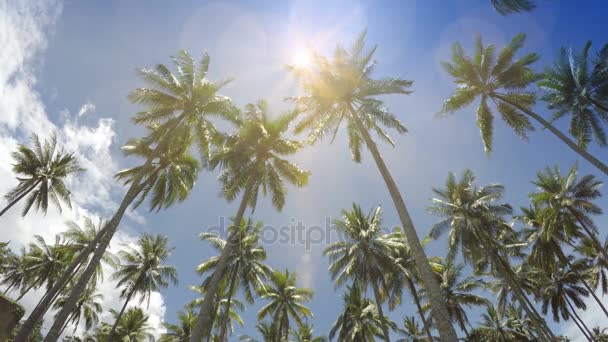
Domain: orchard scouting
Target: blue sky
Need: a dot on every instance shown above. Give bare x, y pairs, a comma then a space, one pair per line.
93, 48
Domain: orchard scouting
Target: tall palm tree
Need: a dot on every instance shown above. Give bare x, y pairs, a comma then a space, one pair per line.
478, 230
305, 333
14, 275
285, 302
246, 267
571, 87
88, 307
560, 291
359, 319
598, 266
412, 332
142, 270
500, 327
365, 255
133, 327
169, 172
504, 82
252, 158
180, 332
505, 7
341, 89
42, 172
43, 263
458, 293
225, 311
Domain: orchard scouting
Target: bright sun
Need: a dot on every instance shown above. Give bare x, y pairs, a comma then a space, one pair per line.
302, 58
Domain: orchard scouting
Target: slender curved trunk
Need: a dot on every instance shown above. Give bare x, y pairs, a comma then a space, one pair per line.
13, 202
381, 312
540, 326
412, 288
78, 289
437, 302
226, 323
122, 311
583, 327
47, 300
582, 152
203, 324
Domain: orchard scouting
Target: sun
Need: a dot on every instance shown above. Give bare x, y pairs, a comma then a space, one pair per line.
302, 57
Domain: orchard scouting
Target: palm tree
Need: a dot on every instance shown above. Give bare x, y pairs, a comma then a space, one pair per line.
133, 327
597, 265
14, 276
340, 89
43, 264
142, 270
87, 307
42, 171
180, 332
245, 266
560, 291
305, 333
412, 332
364, 256
599, 334
500, 327
252, 159
359, 319
571, 88
505, 83
285, 301
478, 230
268, 332
224, 311
169, 172
505, 7
5, 255
458, 293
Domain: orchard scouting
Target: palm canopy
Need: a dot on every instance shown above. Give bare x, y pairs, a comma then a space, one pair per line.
253, 157
42, 171
266, 330
412, 331
225, 307
132, 327
183, 103
180, 332
246, 264
341, 88
359, 319
285, 301
505, 7
142, 270
598, 266
44, 263
501, 326
572, 88
88, 307
498, 79
305, 333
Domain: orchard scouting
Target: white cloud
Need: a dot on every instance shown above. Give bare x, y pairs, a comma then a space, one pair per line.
24, 26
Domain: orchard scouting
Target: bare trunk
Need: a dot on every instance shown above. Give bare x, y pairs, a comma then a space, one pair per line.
13, 202
586, 155
78, 289
412, 288
203, 324
224, 331
437, 301
380, 312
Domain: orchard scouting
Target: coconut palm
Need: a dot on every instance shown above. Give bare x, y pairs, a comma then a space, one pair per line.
560, 291
184, 103
305, 333
365, 254
133, 327
285, 302
598, 266
504, 82
180, 332
505, 7
169, 172
458, 293
225, 311
573, 88
246, 267
500, 327
43, 263
5, 255
599, 334
14, 275
87, 307
141, 270
341, 89
251, 159
478, 231
266, 330
358, 320
41, 171
412, 331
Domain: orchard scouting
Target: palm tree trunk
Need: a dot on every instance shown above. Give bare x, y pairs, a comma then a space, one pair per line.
583, 327
122, 311
412, 288
436, 300
47, 300
13, 202
203, 324
78, 289
224, 330
540, 326
380, 311
586, 155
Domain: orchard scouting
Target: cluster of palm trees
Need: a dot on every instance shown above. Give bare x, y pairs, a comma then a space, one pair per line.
548, 258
